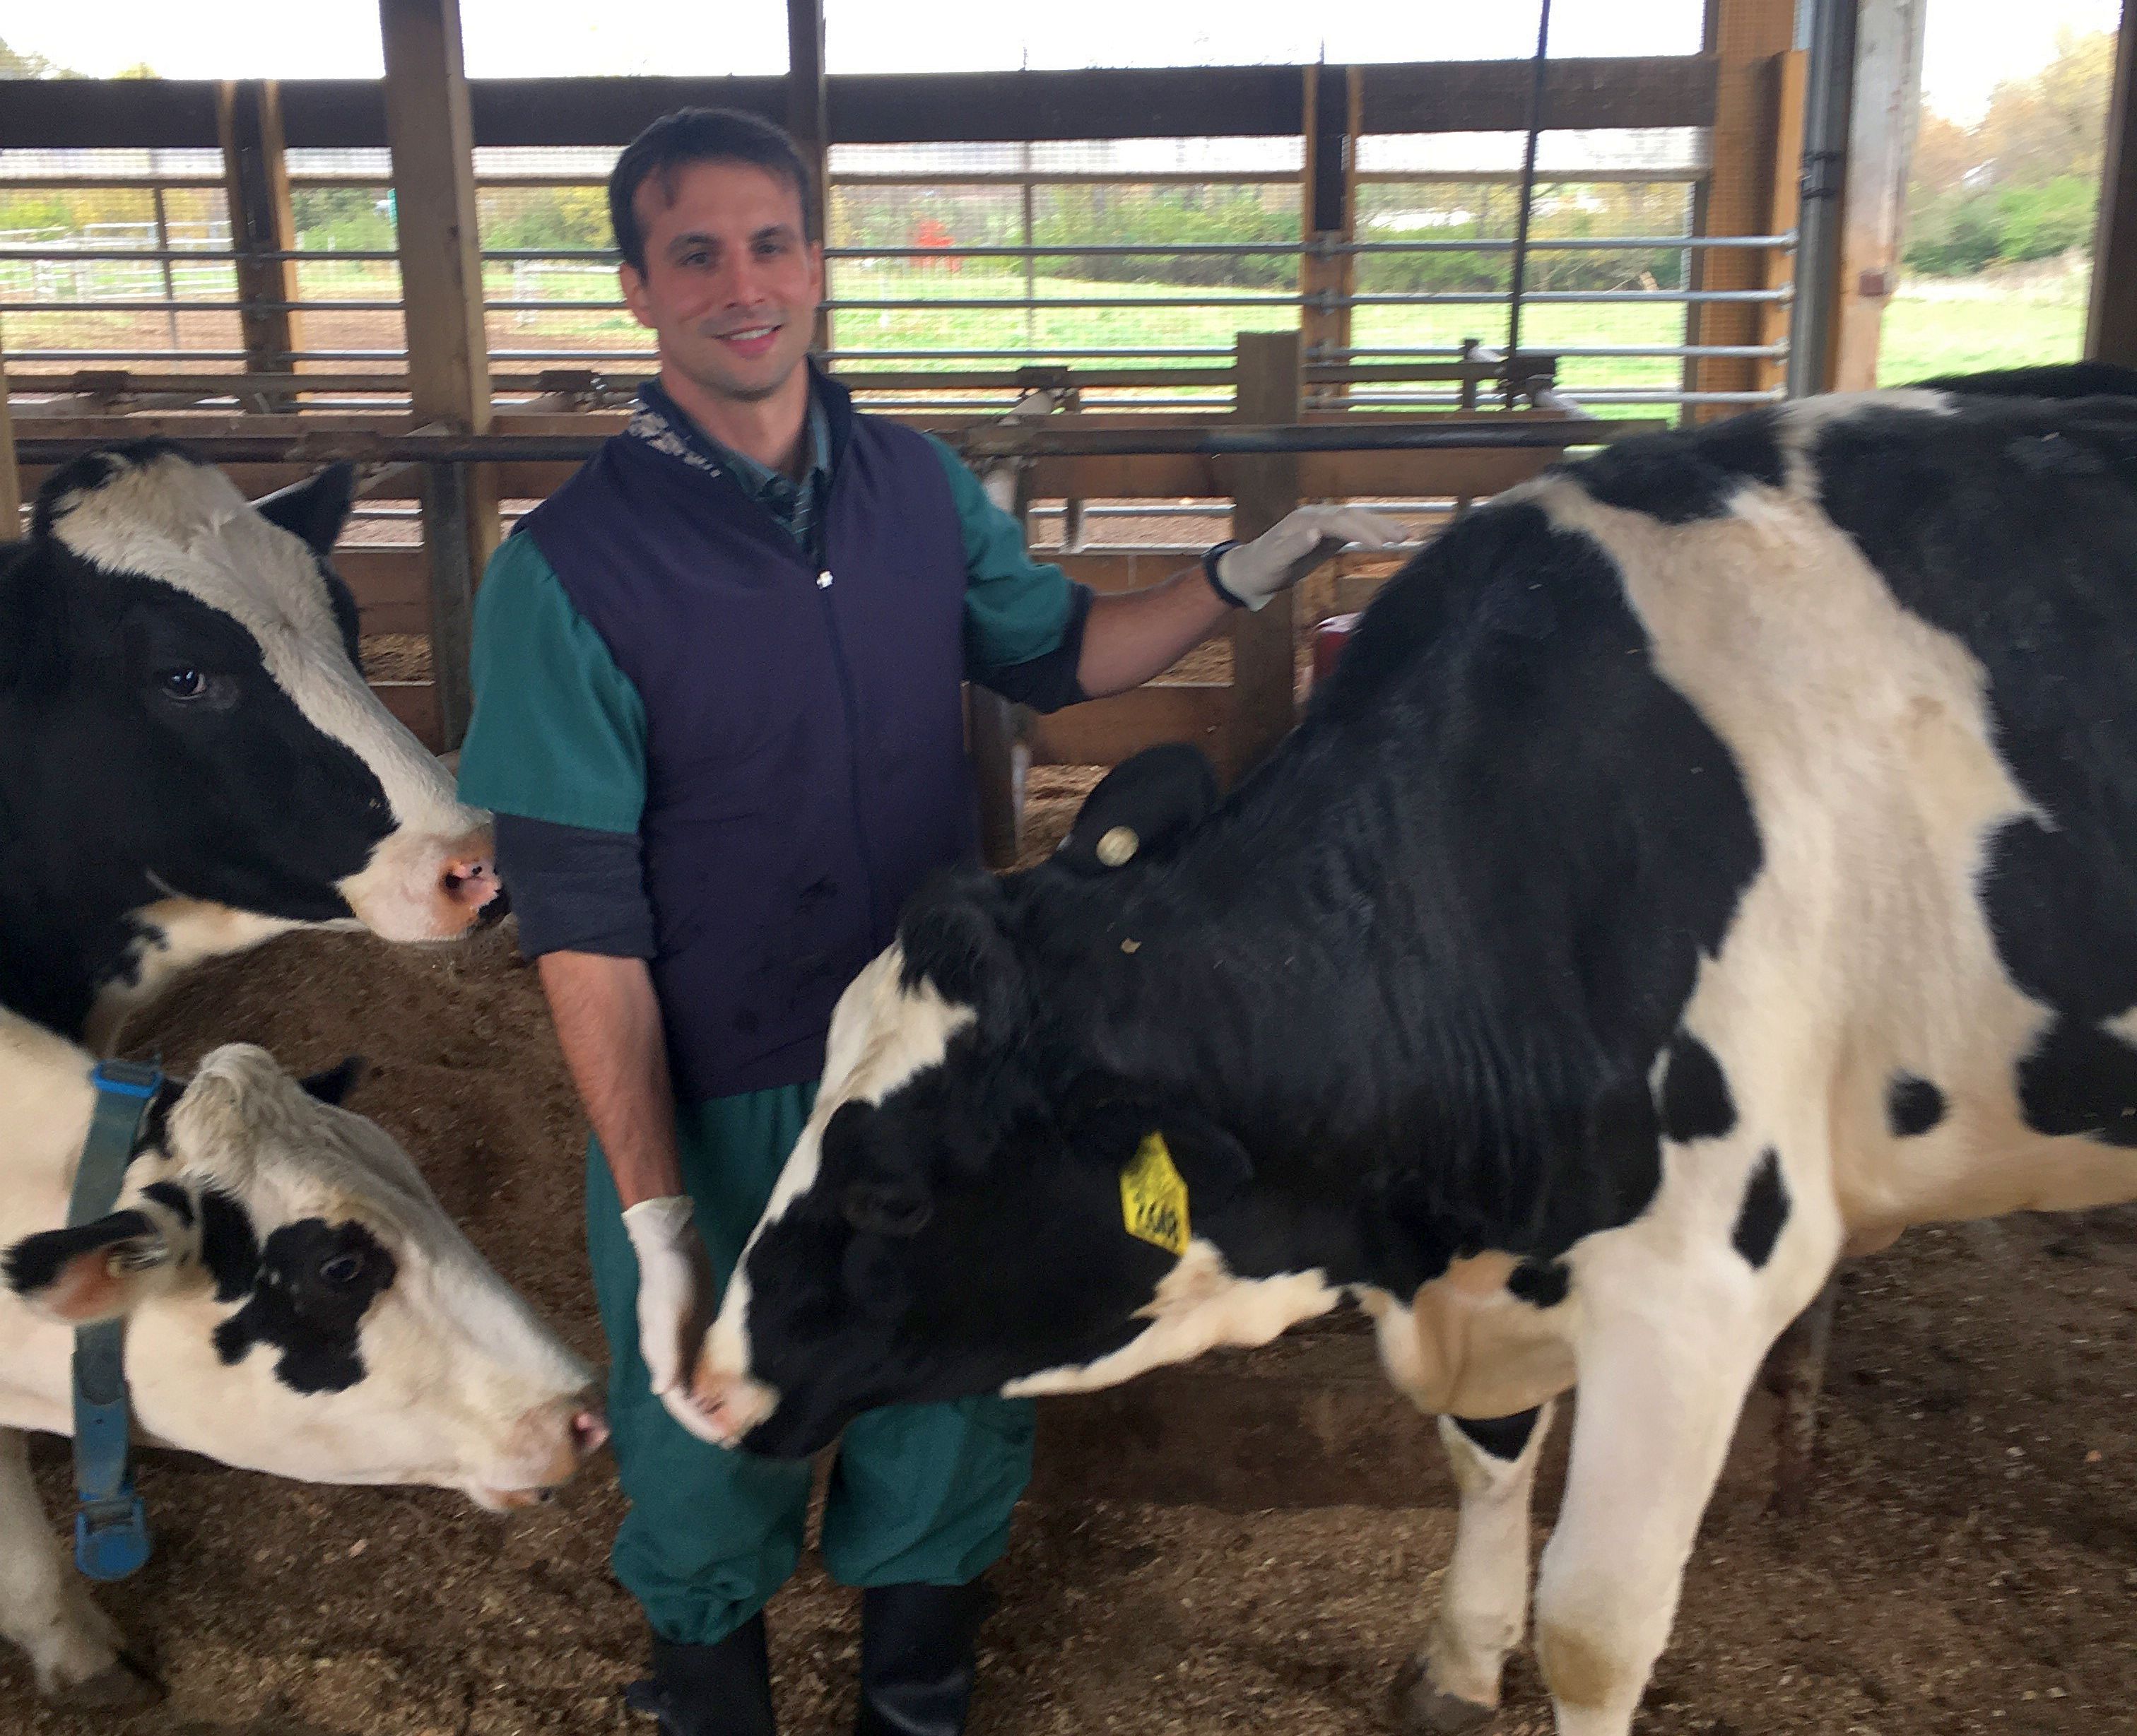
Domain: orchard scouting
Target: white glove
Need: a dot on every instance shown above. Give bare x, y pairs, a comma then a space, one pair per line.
1251, 573
674, 1302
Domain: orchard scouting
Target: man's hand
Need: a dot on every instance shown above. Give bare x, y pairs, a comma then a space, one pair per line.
674, 1302
1251, 573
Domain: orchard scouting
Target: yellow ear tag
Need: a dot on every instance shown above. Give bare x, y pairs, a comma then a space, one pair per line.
1154, 1198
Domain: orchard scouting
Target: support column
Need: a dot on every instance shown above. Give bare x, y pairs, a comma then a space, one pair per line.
2110, 327
10, 478
433, 147
1744, 37
1263, 643
1881, 146
256, 177
808, 121
1328, 202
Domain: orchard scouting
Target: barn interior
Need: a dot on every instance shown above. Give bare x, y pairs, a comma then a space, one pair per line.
1170, 303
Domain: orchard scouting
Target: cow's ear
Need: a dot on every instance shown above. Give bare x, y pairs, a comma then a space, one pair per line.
1142, 805
101, 1271
334, 1084
315, 509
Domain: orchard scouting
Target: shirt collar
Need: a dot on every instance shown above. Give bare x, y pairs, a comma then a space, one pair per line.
660, 422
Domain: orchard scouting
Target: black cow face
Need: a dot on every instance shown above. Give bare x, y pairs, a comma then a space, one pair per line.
188, 754
962, 1236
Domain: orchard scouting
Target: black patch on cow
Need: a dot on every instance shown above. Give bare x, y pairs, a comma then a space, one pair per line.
93, 471
1540, 1283
1503, 1438
34, 1262
332, 1085
2061, 380
145, 751
316, 509
2080, 1080
1681, 477
1912, 1106
229, 1249
2027, 566
173, 1198
1696, 1101
1399, 997
1765, 1211
316, 1280
1158, 794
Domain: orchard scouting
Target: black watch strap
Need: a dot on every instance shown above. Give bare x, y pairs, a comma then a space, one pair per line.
1210, 571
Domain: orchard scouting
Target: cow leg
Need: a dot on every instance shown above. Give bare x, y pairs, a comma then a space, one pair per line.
73, 1646
1453, 1684
1662, 1381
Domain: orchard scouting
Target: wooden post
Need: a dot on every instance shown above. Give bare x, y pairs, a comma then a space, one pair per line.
256, 177
433, 147
1328, 214
808, 121
10, 478
1264, 701
1787, 74
1881, 143
1744, 37
2110, 326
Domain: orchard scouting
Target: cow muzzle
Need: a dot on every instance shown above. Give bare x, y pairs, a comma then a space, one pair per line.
541, 1452
731, 1402
427, 888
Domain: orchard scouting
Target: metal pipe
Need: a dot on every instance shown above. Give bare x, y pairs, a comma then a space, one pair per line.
1827, 98
1054, 442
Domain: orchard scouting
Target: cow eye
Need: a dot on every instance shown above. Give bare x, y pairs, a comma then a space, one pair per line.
338, 1272
182, 683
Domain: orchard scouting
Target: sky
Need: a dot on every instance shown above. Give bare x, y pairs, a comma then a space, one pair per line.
1970, 44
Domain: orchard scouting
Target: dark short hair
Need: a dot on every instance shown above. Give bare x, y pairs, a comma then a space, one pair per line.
699, 136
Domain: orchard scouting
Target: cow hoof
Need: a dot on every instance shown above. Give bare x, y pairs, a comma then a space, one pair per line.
1421, 1709
120, 1686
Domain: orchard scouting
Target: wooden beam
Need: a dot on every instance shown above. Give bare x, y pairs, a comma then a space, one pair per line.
1744, 37
1788, 74
1673, 90
1264, 641
1105, 732
1448, 474
432, 142
1328, 204
2110, 325
1881, 143
808, 121
11, 477
1493, 96
256, 183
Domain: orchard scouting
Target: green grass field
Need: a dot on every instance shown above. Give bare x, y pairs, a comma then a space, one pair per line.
1935, 328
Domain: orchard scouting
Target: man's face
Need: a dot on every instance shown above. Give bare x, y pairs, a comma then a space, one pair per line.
731, 282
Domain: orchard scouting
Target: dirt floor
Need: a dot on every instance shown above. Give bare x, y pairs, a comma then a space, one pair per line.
1971, 1566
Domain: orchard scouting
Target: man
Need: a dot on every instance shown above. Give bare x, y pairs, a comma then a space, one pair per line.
719, 717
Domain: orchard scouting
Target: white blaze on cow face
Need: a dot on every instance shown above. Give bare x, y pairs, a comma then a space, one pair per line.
883, 1036
305, 1307
185, 525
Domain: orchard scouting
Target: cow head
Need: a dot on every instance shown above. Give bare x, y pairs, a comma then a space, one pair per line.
187, 733
968, 1211
298, 1302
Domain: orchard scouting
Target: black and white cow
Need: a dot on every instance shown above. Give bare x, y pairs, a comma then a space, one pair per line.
1707, 858
190, 761
296, 1302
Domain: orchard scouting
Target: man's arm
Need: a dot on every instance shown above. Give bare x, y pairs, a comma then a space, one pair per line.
1134, 635
608, 1025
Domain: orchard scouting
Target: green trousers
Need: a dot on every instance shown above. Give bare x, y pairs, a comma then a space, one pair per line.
920, 1494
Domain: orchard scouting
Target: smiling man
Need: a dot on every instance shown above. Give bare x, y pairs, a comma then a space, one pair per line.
718, 717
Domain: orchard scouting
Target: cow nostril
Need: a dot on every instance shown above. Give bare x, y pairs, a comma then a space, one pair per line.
589, 1432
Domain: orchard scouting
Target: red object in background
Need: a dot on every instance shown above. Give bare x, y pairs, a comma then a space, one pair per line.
1329, 638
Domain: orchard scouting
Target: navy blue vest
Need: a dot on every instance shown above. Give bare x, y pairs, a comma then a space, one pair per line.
806, 764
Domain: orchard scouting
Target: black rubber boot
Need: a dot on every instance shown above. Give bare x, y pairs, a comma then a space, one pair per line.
917, 1663
709, 1691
